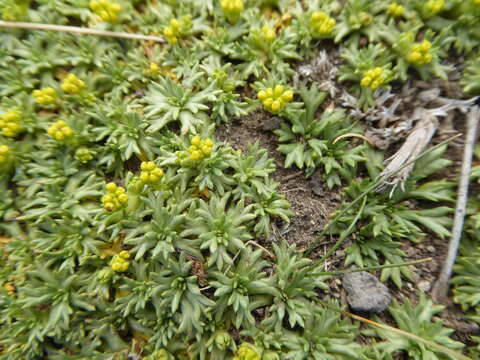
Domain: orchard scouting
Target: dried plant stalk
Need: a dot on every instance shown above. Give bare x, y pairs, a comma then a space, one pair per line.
440, 289
413, 146
78, 30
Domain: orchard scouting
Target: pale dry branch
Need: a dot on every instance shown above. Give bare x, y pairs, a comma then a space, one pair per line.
440, 289
78, 30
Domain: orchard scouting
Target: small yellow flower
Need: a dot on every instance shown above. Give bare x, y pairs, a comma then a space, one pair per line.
321, 24
120, 261
116, 197
150, 174
9, 288
396, 10
275, 99
433, 7
200, 148
83, 155
60, 131
177, 29
419, 53
374, 78
247, 351
154, 68
45, 96
72, 84
10, 123
106, 10
5, 153
267, 33
232, 9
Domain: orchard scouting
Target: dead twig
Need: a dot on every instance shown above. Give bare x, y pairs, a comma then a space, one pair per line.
440, 289
376, 182
78, 30
418, 139
292, 176
421, 136
418, 339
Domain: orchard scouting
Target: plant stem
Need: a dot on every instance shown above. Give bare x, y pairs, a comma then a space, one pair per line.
437, 347
377, 267
375, 183
440, 289
78, 30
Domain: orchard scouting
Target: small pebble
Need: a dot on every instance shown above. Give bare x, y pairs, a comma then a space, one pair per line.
424, 285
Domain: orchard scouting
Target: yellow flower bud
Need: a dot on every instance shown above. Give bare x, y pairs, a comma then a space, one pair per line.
124, 254
209, 142
106, 10
267, 102
262, 94
196, 140
279, 89
111, 187
45, 96
195, 155
206, 150
396, 10
154, 68
276, 105
145, 177
10, 123
287, 95
168, 32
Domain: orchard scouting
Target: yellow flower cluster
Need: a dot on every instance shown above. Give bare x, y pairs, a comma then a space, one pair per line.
267, 33
9, 288
83, 155
60, 131
374, 78
396, 10
10, 123
433, 7
106, 10
247, 352
115, 198
176, 29
4, 154
200, 148
45, 96
232, 9
275, 99
150, 174
72, 84
120, 261
420, 53
321, 24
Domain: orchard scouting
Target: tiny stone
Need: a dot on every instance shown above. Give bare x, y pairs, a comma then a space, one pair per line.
424, 285
430, 248
340, 253
365, 293
338, 282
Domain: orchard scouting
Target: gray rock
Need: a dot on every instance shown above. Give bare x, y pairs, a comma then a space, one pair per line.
365, 293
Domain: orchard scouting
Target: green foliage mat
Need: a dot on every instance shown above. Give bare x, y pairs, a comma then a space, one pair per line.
127, 231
